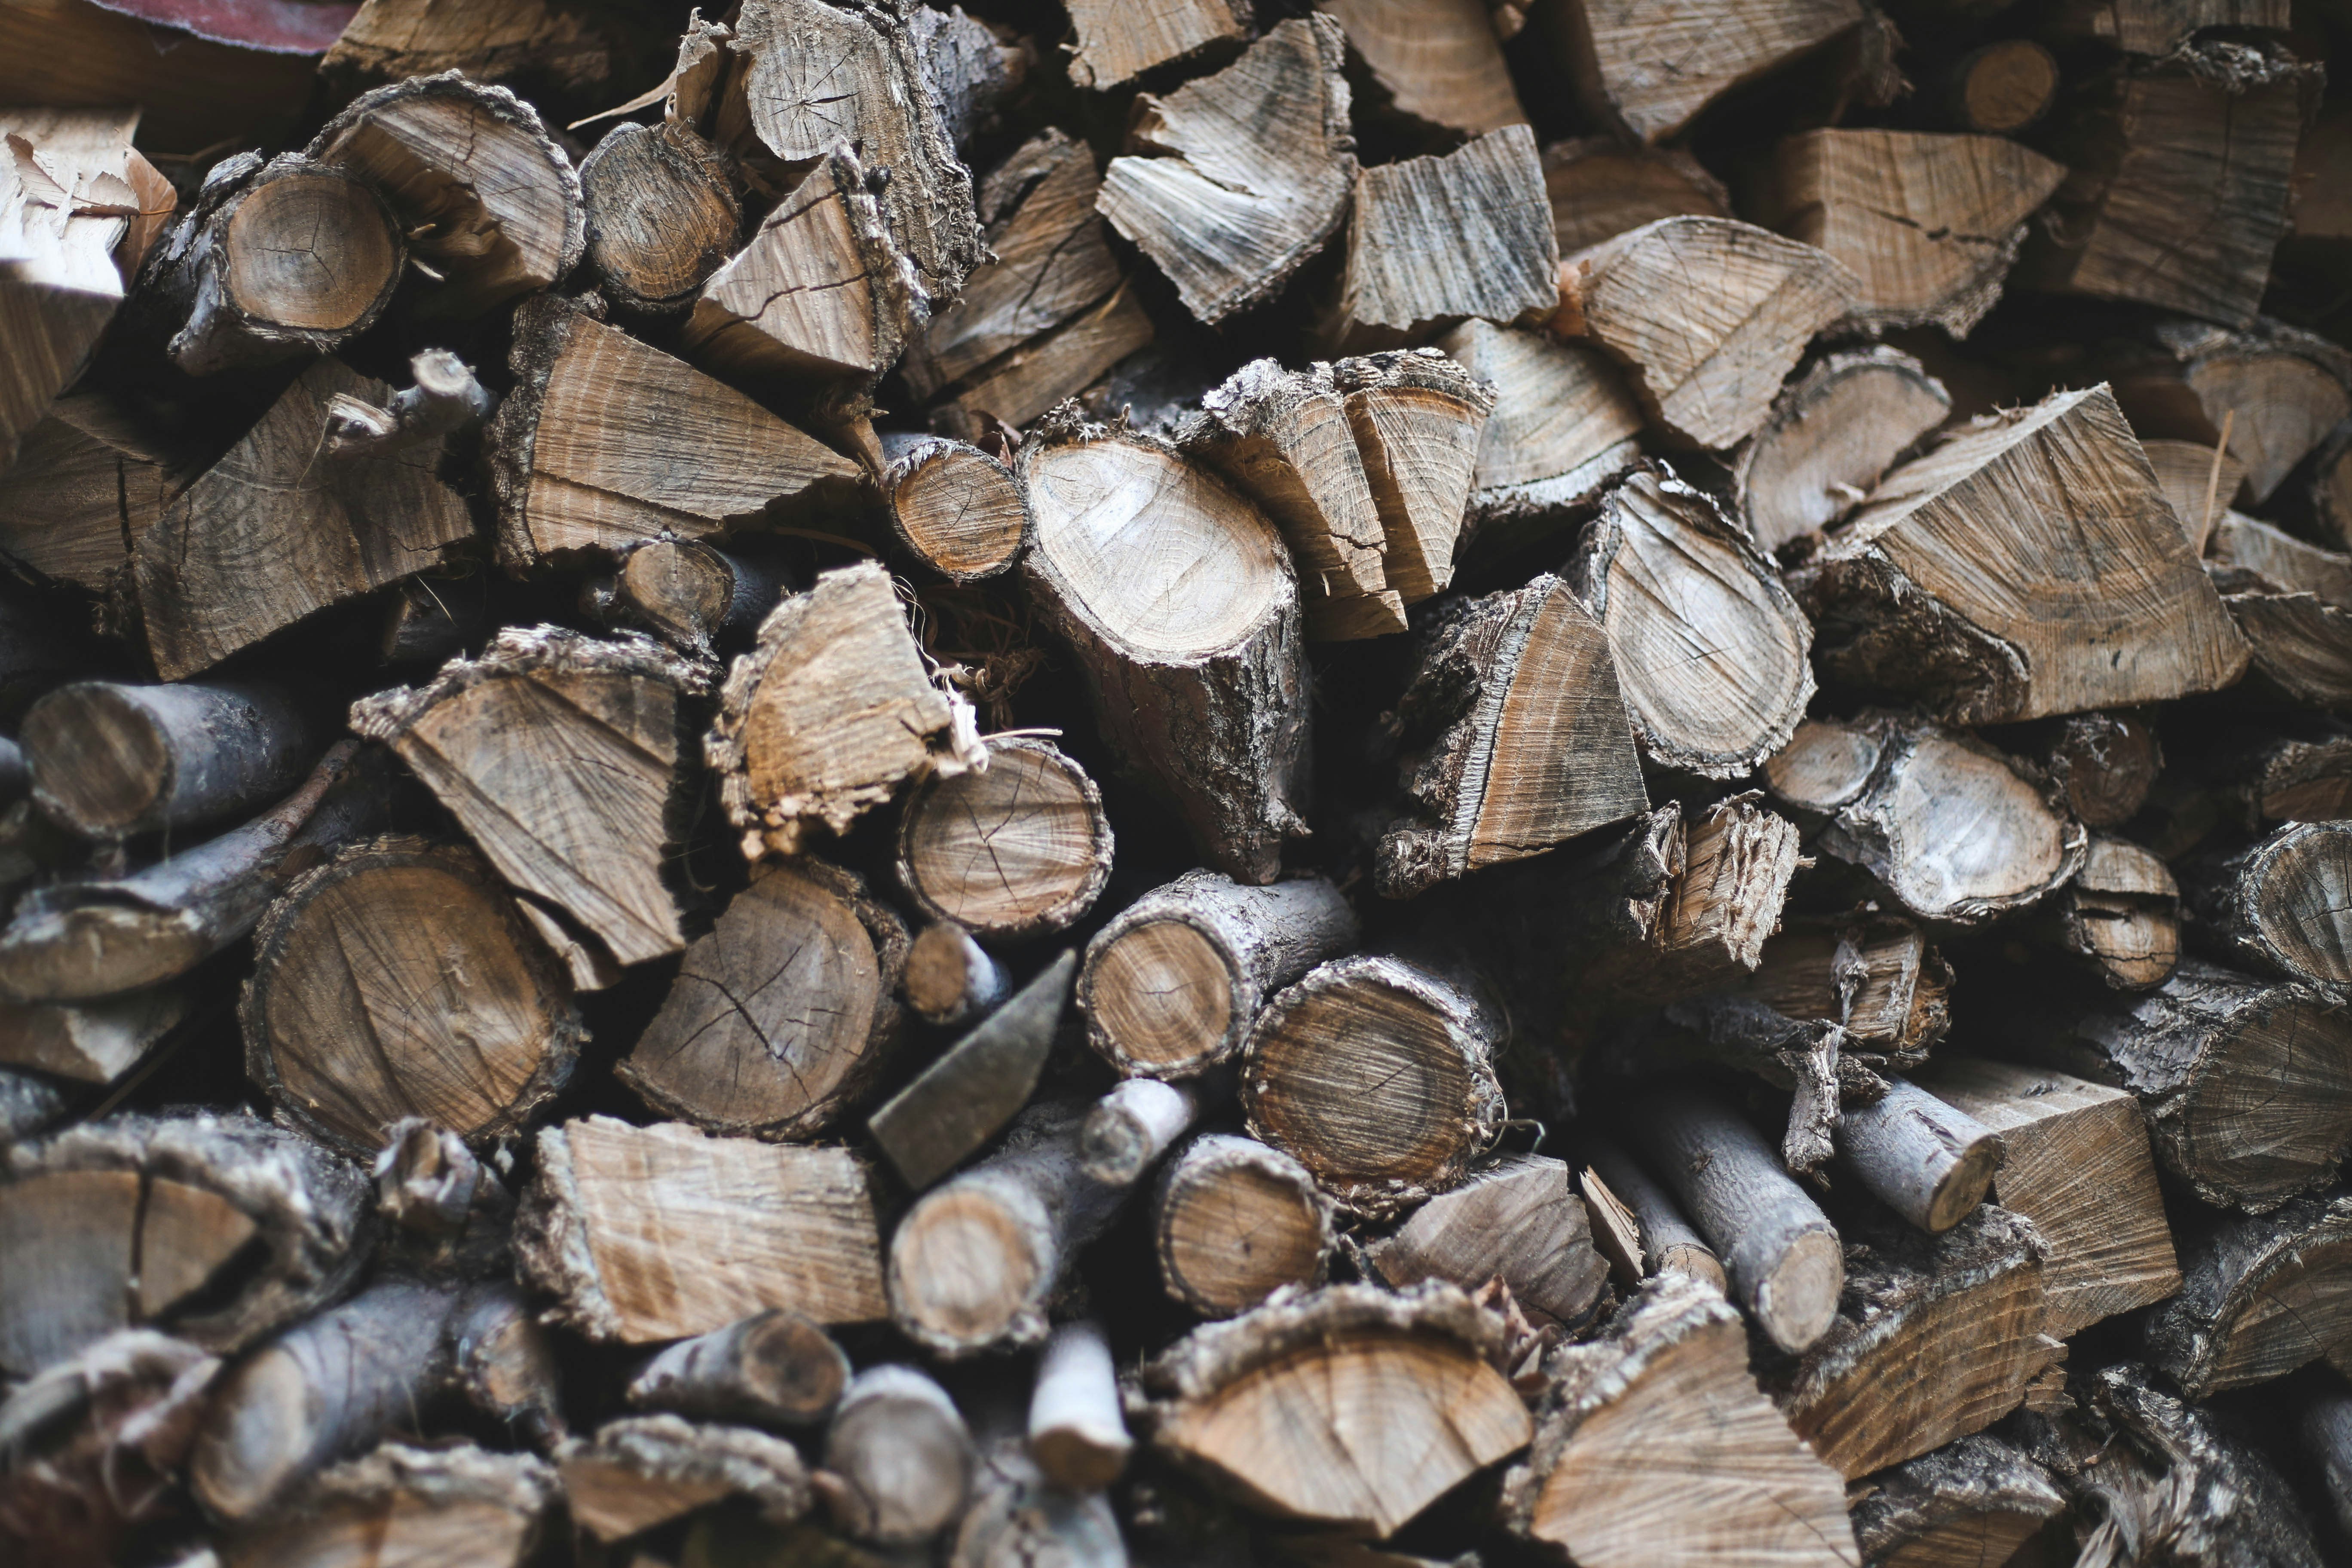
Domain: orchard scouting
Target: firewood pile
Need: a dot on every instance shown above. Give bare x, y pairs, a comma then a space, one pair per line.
1356, 783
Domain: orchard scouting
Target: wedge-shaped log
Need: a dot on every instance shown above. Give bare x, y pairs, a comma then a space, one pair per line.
1440, 66
1599, 187
1647, 68
1881, 983
1977, 1499
642, 1471
829, 714
2280, 905
1640, 1429
2282, 390
2260, 1296
95, 1042
1831, 437
1236, 1221
783, 1015
1534, 748
1177, 599
977, 1085
88, 480
1235, 180
606, 440
1019, 849
1563, 426
1705, 359
1517, 1221
1402, 1392
645, 1233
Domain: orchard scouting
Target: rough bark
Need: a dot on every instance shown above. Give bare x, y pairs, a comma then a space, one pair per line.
1636, 1225
1979, 1499
2279, 905
662, 215
108, 761
2107, 764
2261, 1295
642, 1471
690, 594
414, 1505
2120, 917
774, 1368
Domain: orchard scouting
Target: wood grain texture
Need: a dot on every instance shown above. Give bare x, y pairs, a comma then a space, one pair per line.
1019, 849
1432, 240
1832, 435
1437, 64
1649, 66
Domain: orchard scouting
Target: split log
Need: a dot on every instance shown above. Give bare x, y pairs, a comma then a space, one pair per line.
2300, 772
1977, 1500
1930, 224
951, 979
1999, 88
1636, 1225
642, 1471
2300, 644
1115, 46
1018, 850
783, 1015
1076, 1433
1711, 651
1779, 1252
2281, 391
832, 709
136, 1220
774, 1368
1599, 187
978, 1084
1830, 438
1618, 52
1563, 427
1180, 607
73, 941
645, 1233
488, 200
400, 1504
274, 261
1233, 181
976, 1261
1708, 369
94, 1042
1050, 314
2261, 1295
1517, 1221
1348, 1406
1956, 830
606, 440
972, 68
692, 595
2120, 916
1378, 1075
662, 215
2244, 1082
560, 756
332, 530
2280, 904
1130, 1127
956, 509
1433, 240
897, 1458
1236, 1221
2197, 481
1438, 68
1020, 1516
2105, 763
1726, 880
819, 292
445, 398
1418, 419
1942, 1339
1927, 1160
88, 480
573, 44
73, 246
2243, 549
110, 761
1911, 592
1638, 1431
356, 1017
2180, 182
1534, 748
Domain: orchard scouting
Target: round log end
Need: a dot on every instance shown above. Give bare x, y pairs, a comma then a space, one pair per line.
1796, 1303
1159, 996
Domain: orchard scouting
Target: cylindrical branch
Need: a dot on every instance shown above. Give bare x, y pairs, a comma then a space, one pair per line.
1076, 1433
2284, 904
1350, 1405
1128, 1129
276, 261
1173, 983
775, 1368
71, 942
1831, 437
1929, 1161
2246, 1084
978, 1084
1999, 90
1979, 1500
2120, 915
1182, 608
690, 593
976, 1261
1956, 830
1518, 1221
1019, 849
897, 1458
1635, 1223
642, 1471
956, 509
1236, 1221
442, 396
662, 215
1778, 1250
355, 1017
109, 760
1378, 1075
1019, 1516
410, 1504
137, 1220
784, 1013
2260, 1296
2105, 765
1711, 651
951, 979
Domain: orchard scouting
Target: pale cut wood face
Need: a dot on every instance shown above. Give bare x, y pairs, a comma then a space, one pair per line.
1372, 1084
1661, 61
277, 270
1002, 848
1118, 41
1966, 827
400, 1530
1438, 59
1162, 557
1239, 1234
972, 1262
2300, 1314
1558, 405
2240, 1133
1824, 448
1163, 992
2304, 909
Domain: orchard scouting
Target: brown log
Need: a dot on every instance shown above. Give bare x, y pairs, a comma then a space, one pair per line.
832, 709
403, 1504
1518, 1221
110, 761
93, 1042
978, 1084
1236, 1221
1831, 437
1999, 88
2107, 764
2260, 1296
573, 44
690, 594
775, 1367
2159, 27
2198, 480
2325, 1431
1880, 981
645, 1233
642, 1471
1612, 49
89, 477
2301, 643
1636, 1224
1019, 1515
662, 215
449, 1216
2275, 906
2243, 549
1977, 1499
1229, 1399
1437, 67
1563, 427
956, 509
1233, 181
1115, 46
1599, 187
2281, 391
1628, 1462
2121, 916
951, 979
901, 1455
1018, 850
